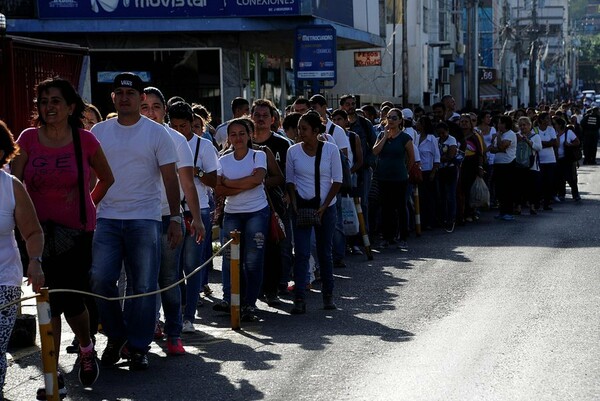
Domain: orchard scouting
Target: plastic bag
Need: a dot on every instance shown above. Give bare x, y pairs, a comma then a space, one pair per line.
480, 194
349, 216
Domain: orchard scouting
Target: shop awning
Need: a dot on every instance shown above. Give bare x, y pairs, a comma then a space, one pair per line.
489, 92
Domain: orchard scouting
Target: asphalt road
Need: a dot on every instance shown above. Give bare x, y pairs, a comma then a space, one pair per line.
495, 311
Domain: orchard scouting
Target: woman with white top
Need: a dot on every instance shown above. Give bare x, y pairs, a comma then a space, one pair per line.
531, 180
301, 186
240, 179
429, 153
488, 133
448, 175
567, 167
547, 158
16, 209
504, 148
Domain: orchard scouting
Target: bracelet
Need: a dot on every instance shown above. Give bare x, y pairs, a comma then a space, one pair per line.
176, 219
36, 259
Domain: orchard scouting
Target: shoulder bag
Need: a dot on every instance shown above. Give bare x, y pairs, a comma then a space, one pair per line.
307, 215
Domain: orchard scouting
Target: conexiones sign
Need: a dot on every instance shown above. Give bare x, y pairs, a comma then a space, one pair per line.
165, 8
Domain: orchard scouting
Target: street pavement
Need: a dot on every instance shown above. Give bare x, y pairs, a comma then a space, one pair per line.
494, 311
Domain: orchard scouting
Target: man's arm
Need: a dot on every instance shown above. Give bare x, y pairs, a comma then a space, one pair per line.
169, 176
186, 179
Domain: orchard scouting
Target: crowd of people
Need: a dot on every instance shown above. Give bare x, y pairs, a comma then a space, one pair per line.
126, 205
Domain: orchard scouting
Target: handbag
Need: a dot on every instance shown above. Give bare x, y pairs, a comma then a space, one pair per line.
480, 194
349, 216
307, 210
276, 226
572, 153
415, 175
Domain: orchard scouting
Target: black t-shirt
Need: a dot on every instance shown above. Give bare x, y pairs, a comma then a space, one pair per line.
279, 147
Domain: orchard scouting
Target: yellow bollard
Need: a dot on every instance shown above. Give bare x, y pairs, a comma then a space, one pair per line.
235, 279
417, 210
47, 340
363, 228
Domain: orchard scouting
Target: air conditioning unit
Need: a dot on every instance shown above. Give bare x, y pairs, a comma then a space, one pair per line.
445, 75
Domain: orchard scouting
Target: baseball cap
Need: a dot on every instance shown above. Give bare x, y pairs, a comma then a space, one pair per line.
407, 114
128, 80
318, 99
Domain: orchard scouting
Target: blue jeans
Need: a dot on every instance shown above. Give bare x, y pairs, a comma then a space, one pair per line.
448, 178
167, 275
254, 228
324, 237
192, 256
137, 244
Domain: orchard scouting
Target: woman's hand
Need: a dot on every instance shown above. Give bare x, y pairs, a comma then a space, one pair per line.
35, 275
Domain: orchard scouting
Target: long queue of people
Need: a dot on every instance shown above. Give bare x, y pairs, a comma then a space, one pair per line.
127, 205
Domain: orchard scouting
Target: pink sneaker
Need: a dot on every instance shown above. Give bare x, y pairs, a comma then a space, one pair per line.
175, 347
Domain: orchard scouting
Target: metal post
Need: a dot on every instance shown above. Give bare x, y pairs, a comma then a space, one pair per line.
47, 341
404, 54
235, 279
394, 48
417, 209
533, 55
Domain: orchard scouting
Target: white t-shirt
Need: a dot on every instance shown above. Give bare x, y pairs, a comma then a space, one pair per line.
135, 154
339, 135
536, 146
300, 170
510, 153
547, 154
221, 133
253, 199
207, 161
487, 139
412, 133
11, 270
429, 151
450, 141
185, 160
570, 135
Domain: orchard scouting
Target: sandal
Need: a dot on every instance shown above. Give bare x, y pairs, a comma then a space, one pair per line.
62, 390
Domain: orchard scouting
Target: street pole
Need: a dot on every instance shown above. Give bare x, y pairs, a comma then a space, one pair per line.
533, 56
404, 55
473, 59
394, 49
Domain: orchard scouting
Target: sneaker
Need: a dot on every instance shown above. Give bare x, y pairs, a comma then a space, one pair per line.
328, 303
188, 327
299, 307
339, 264
175, 347
272, 300
533, 211
508, 217
469, 219
249, 314
403, 246
222, 306
62, 390
577, 198
207, 290
158, 332
112, 352
88, 368
139, 361
356, 250
556, 199
450, 227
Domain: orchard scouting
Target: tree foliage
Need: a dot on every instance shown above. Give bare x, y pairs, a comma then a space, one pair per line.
589, 60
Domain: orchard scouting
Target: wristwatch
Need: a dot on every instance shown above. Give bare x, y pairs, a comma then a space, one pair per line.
200, 173
176, 219
36, 258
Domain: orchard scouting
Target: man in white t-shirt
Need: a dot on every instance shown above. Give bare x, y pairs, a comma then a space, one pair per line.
547, 158
153, 107
143, 158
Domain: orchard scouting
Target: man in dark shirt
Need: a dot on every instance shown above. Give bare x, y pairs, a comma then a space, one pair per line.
278, 257
590, 124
